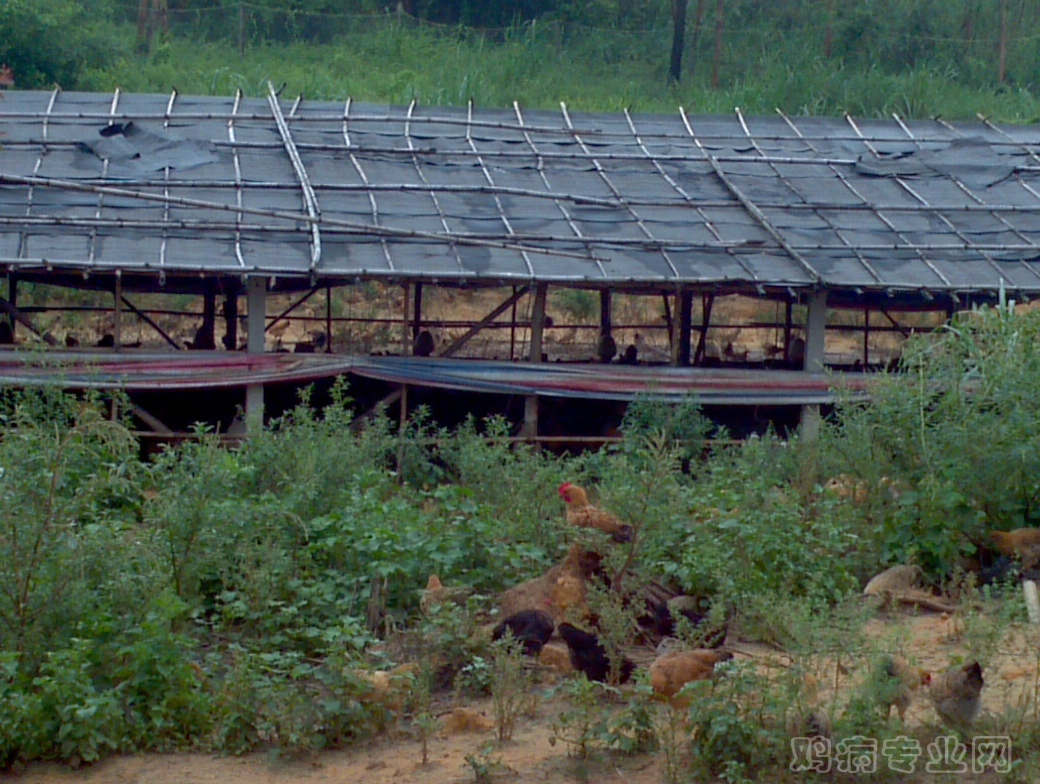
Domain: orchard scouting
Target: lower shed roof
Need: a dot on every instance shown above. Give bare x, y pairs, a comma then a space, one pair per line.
172, 185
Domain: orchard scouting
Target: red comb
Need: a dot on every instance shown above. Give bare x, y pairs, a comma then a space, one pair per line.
565, 487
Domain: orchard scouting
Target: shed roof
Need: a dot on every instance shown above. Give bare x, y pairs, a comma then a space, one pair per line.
318, 191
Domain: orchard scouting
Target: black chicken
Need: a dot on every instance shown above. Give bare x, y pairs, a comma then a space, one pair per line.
588, 655
532, 628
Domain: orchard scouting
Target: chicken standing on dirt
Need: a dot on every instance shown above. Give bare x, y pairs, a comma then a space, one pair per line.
894, 682
956, 695
584, 515
589, 656
670, 672
531, 628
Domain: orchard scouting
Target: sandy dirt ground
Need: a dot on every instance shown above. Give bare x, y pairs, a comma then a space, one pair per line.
933, 641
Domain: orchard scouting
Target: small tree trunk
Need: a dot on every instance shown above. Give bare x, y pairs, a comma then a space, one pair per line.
828, 30
143, 32
720, 23
241, 28
1002, 51
678, 38
696, 39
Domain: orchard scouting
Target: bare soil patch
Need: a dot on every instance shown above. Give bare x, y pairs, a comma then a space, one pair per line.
933, 641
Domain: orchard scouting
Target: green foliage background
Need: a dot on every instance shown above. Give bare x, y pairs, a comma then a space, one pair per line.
918, 58
217, 598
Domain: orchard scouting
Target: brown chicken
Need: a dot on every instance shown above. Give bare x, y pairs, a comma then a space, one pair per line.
435, 593
811, 719
894, 682
584, 515
1012, 543
957, 695
671, 671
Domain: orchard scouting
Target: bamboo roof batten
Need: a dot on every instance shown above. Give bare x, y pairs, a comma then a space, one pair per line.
166, 192
817, 210
884, 219
885, 211
237, 163
490, 181
359, 169
540, 165
100, 195
687, 199
310, 201
748, 205
426, 185
950, 224
977, 199
617, 194
30, 192
347, 227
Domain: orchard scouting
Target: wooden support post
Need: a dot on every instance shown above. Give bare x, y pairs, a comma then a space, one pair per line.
12, 297
788, 316
866, 337
685, 326
406, 309
604, 313
417, 312
702, 339
512, 327
815, 342
256, 304
530, 427
117, 328
328, 319
669, 324
231, 319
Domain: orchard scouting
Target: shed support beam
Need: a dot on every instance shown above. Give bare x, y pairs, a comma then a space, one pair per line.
604, 313
815, 340
12, 297
117, 313
417, 312
231, 319
256, 303
702, 339
685, 326
21, 318
530, 428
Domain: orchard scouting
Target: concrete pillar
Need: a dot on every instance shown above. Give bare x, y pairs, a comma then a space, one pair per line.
256, 321
815, 338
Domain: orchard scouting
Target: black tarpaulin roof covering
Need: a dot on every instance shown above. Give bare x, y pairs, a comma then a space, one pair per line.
309, 190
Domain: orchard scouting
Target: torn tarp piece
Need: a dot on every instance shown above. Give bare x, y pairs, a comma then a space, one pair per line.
971, 160
133, 150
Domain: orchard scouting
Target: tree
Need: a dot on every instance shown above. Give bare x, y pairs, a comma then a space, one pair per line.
678, 37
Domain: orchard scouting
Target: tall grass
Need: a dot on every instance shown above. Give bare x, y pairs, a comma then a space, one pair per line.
603, 70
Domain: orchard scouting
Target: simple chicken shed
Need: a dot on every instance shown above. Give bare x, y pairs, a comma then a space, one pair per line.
270, 202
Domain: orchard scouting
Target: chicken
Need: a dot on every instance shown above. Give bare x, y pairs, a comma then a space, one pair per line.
584, 515
531, 628
663, 620
588, 655
956, 695
551, 592
1012, 543
670, 672
390, 689
894, 682
436, 594
810, 719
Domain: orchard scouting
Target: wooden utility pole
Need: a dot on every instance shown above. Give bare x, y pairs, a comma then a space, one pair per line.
678, 39
720, 23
